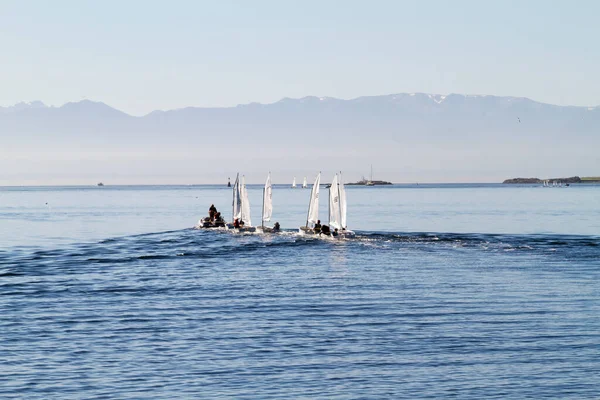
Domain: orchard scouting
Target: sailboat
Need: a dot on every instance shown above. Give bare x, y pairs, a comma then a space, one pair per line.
370, 181
267, 210
304, 185
294, 183
338, 208
313, 207
241, 206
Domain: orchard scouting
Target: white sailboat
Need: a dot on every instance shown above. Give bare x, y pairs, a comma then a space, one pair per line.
338, 208
236, 211
313, 207
241, 206
304, 185
245, 205
370, 181
294, 183
267, 210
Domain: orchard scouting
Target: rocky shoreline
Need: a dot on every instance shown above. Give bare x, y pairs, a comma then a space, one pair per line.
573, 179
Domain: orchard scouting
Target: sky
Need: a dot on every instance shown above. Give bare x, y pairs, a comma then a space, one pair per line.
139, 56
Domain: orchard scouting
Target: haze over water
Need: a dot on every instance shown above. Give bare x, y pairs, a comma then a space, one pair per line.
470, 291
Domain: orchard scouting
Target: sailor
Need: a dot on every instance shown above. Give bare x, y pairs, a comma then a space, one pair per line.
212, 210
317, 227
335, 232
241, 223
219, 220
325, 230
276, 227
236, 223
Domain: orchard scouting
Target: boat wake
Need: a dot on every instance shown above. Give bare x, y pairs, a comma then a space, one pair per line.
222, 242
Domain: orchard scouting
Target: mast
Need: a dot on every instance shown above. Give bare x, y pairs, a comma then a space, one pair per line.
233, 201
340, 201
329, 208
309, 205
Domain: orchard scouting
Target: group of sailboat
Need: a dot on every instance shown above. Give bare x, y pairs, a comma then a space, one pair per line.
548, 183
242, 221
337, 210
304, 185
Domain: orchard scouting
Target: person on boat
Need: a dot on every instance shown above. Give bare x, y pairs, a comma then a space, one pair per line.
241, 223
317, 227
325, 230
219, 221
236, 223
335, 232
276, 227
212, 210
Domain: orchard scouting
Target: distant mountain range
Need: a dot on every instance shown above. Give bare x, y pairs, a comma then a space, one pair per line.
404, 135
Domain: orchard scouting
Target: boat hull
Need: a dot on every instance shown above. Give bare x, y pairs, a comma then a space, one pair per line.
345, 234
210, 225
242, 229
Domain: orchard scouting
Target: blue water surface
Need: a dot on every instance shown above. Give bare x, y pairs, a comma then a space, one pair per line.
463, 291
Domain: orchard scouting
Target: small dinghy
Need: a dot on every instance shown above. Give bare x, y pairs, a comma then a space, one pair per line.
241, 207
214, 219
338, 209
312, 218
267, 210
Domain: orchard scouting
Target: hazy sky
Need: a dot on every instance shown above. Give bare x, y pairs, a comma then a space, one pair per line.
144, 55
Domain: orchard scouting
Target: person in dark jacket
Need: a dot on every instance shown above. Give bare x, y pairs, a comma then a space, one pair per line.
212, 211
317, 227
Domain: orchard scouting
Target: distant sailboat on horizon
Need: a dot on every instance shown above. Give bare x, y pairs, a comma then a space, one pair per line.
304, 184
294, 183
370, 181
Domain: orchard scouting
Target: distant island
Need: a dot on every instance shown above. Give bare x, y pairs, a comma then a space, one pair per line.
573, 179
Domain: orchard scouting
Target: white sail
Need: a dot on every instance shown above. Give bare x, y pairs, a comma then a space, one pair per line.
334, 204
304, 185
237, 199
268, 200
245, 204
313, 206
343, 204
294, 182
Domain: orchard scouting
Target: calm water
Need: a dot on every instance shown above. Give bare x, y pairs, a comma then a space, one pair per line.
465, 291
